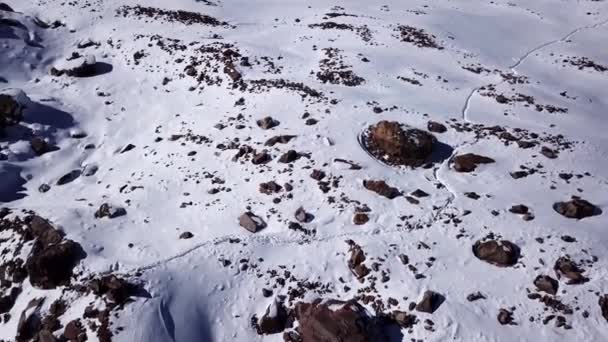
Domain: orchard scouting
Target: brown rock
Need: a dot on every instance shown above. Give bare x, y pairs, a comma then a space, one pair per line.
546, 284
186, 235
397, 144
251, 222
430, 302
11, 112
549, 153
519, 209
115, 290
109, 211
569, 269
267, 123
360, 219
270, 188
261, 158
577, 208
505, 317
279, 139
382, 189
469, 162
500, 253
403, 319
355, 263
317, 175
51, 266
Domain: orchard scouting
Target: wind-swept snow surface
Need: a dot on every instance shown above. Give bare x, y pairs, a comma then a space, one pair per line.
193, 170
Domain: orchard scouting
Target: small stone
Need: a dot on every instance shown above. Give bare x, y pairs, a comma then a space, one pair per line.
382, 189
69, 177
475, 296
274, 319
109, 211
360, 219
267, 123
317, 175
549, 153
500, 253
302, 216
519, 209
505, 317
186, 235
289, 157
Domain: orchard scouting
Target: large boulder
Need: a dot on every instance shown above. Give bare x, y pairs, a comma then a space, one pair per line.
500, 253
52, 266
576, 208
337, 321
13, 103
398, 144
81, 66
274, 319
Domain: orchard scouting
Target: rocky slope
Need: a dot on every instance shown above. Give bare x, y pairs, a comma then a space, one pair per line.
300, 170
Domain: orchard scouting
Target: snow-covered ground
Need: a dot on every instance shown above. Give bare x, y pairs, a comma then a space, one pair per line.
178, 87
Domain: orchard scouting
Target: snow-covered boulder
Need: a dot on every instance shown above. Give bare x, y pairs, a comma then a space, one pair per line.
13, 103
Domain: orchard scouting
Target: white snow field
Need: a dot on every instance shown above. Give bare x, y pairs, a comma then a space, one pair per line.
148, 128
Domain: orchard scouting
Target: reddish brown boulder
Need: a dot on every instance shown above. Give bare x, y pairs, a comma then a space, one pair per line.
500, 253
337, 321
398, 144
576, 208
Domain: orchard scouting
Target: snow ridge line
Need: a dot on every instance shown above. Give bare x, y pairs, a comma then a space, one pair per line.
467, 104
521, 59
